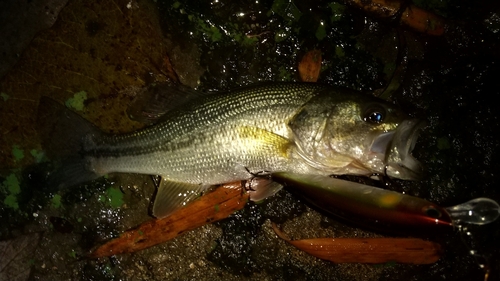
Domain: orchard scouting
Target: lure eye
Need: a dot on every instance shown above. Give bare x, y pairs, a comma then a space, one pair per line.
374, 114
432, 212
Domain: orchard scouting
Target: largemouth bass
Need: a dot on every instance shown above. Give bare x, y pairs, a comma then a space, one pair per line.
302, 128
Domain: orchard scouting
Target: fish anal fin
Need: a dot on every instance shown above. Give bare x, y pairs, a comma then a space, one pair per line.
172, 195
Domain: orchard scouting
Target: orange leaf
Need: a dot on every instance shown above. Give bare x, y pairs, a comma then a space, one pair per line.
414, 17
211, 207
310, 66
368, 250
423, 21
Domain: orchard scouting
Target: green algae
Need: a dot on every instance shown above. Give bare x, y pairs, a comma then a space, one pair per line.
337, 11
37, 155
4, 96
443, 143
286, 9
77, 102
320, 32
11, 202
113, 197
339, 52
56, 201
12, 189
12, 184
17, 152
72, 254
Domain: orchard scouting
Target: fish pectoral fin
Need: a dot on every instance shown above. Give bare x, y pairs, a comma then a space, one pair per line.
172, 195
262, 188
264, 141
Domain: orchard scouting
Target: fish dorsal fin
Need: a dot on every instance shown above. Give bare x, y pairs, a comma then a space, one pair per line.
172, 195
157, 99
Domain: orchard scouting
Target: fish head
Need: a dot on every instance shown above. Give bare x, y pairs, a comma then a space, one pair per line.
348, 132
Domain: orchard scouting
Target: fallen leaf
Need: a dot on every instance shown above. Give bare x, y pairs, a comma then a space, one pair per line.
108, 49
310, 66
21, 21
418, 19
368, 250
16, 255
209, 208
423, 21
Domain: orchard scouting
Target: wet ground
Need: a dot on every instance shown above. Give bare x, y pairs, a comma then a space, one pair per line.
97, 57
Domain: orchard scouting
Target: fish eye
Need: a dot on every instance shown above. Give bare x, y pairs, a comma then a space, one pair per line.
374, 114
432, 212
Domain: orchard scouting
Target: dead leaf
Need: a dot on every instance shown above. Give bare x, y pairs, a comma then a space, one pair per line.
108, 49
418, 19
368, 250
15, 263
20, 22
209, 208
310, 66
423, 21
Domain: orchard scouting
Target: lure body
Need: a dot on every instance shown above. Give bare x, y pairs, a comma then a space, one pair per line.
372, 206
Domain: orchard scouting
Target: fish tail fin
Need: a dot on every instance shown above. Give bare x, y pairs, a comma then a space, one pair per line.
71, 172
62, 133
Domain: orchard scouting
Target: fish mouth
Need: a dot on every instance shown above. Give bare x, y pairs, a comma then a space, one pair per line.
397, 146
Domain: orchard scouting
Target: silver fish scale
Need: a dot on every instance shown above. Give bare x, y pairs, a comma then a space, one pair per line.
201, 142
248, 103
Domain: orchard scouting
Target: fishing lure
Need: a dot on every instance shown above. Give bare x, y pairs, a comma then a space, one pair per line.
385, 209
